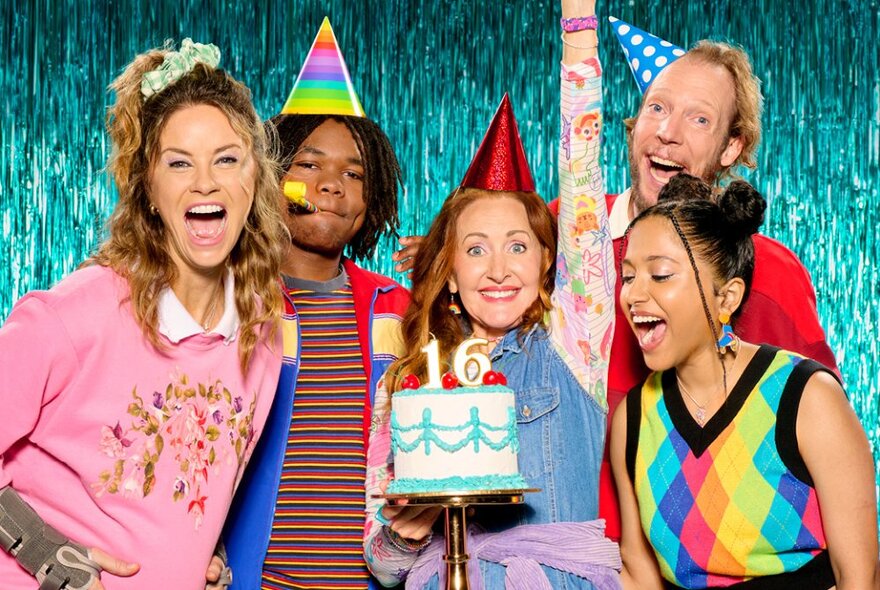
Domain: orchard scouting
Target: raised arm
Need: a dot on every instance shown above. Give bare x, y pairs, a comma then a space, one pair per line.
583, 301
578, 46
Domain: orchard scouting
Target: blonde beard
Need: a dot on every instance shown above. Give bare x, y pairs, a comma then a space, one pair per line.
638, 203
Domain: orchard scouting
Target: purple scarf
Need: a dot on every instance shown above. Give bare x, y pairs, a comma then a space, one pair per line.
579, 548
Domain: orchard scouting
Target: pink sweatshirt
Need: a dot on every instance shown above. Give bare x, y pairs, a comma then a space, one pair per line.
118, 445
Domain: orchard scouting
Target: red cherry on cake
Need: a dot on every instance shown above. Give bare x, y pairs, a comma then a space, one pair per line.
490, 378
502, 380
449, 380
410, 382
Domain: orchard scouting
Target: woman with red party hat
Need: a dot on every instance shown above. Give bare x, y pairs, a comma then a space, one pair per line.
491, 267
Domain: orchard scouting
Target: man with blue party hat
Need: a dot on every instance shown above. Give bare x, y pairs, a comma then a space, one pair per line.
298, 518
700, 114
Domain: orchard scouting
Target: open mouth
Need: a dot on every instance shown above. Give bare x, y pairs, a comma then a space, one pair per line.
649, 330
662, 169
205, 222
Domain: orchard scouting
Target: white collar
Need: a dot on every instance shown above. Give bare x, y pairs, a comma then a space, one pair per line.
618, 217
175, 322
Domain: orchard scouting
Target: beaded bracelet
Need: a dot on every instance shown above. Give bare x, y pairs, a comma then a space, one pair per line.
405, 545
579, 23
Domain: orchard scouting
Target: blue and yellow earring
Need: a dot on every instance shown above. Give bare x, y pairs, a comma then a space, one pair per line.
728, 339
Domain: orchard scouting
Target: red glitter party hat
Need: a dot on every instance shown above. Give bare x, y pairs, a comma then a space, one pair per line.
500, 163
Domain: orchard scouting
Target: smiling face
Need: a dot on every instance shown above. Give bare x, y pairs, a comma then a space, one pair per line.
497, 264
660, 297
683, 126
331, 166
202, 184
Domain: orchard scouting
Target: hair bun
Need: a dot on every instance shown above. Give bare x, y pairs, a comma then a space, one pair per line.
684, 187
743, 206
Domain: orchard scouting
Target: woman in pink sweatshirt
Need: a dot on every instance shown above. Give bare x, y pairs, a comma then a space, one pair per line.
133, 392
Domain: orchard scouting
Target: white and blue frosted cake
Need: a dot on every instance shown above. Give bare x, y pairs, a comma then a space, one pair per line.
454, 440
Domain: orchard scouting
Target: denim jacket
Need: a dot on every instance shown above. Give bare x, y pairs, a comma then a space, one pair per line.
561, 434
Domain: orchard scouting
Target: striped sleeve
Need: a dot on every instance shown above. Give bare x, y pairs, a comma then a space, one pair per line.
582, 319
387, 563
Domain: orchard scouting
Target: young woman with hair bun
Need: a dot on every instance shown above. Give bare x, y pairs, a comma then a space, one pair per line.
737, 464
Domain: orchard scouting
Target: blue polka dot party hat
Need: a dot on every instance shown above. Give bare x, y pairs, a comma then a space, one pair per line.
646, 54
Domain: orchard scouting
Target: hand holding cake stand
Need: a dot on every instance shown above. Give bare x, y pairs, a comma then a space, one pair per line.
455, 445
455, 506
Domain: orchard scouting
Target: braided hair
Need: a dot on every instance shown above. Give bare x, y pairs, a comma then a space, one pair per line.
719, 231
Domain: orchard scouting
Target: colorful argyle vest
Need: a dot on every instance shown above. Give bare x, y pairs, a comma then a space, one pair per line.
731, 502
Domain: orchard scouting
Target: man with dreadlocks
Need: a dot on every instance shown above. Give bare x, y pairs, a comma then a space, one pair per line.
298, 519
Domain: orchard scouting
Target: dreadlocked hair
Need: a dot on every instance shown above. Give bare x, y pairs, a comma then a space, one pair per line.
428, 315
382, 174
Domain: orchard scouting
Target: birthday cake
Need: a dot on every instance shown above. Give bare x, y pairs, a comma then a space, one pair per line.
455, 439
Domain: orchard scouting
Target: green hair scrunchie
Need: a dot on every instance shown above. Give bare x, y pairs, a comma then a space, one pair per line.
177, 64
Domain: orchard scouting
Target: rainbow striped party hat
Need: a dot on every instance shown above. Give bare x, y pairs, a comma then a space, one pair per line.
323, 86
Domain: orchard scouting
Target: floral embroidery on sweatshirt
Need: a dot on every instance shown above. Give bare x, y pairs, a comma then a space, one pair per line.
201, 428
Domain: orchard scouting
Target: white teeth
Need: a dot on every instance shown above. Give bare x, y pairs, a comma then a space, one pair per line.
206, 209
664, 162
645, 319
499, 294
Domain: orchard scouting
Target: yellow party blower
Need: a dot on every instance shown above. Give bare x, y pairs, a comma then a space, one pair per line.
296, 194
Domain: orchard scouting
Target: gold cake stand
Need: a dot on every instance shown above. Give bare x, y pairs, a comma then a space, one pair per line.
455, 506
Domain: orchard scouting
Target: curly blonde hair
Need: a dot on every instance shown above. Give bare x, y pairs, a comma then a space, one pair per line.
428, 314
748, 100
136, 247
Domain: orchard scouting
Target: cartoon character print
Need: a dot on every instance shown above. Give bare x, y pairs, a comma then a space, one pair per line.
585, 218
587, 126
197, 426
582, 301
562, 273
565, 137
584, 345
585, 221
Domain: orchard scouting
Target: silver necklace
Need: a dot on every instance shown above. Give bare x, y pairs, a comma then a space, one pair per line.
209, 317
700, 414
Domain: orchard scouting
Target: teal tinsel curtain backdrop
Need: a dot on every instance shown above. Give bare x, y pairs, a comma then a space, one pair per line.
432, 73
